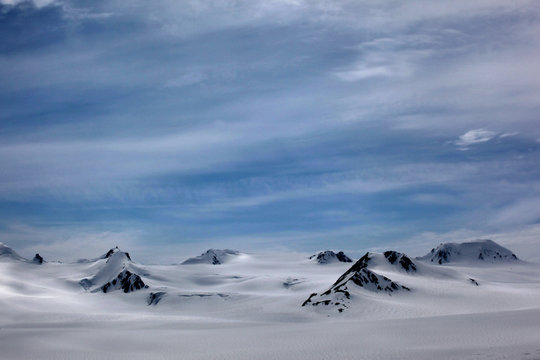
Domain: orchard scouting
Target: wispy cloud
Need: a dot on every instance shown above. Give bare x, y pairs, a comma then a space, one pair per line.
473, 137
509, 134
399, 56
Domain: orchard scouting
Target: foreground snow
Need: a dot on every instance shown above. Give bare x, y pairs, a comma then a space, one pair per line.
250, 308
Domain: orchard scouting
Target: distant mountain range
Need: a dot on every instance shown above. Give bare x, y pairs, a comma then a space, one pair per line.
366, 273
390, 273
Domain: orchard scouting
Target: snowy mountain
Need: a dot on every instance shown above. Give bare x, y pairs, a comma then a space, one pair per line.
328, 257
113, 271
212, 256
360, 276
8, 253
480, 251
107, 255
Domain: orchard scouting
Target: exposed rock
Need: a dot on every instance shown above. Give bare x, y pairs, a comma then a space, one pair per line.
403, 260
126, 281
328, 256
37, 259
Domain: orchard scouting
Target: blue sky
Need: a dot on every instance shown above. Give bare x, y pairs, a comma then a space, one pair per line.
167, 127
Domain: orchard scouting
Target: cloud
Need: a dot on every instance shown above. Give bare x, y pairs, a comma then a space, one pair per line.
509, 134
398, 56
473, 137
37, 3
520, 212
251, 116
186, 79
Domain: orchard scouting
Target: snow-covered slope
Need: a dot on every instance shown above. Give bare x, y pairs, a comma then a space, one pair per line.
7, 253
114, 271
212, 256
480, 251
328, 257
245, 308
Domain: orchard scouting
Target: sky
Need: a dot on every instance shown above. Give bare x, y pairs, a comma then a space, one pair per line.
169, 127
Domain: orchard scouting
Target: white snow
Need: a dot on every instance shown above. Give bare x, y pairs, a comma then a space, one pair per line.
250, 308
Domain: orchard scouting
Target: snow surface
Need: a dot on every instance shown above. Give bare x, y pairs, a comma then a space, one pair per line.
250, 308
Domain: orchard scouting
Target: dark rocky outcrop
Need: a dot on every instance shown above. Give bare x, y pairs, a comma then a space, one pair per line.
126, 281
403, 260
328, 256
37, 259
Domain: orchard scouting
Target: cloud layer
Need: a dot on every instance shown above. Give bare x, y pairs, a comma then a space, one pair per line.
303, 124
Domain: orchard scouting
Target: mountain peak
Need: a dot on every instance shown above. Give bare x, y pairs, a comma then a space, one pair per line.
113, 251
212, 256
360, 276
478, 251
328, 256
8, 253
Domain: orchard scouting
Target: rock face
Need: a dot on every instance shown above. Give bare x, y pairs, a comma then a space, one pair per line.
126, 281
359, 276
397, 258
38, 259
212, 256
328, 257
480, 251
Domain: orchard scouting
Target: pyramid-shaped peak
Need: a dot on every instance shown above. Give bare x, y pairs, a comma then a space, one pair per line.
359, 277
328, 257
